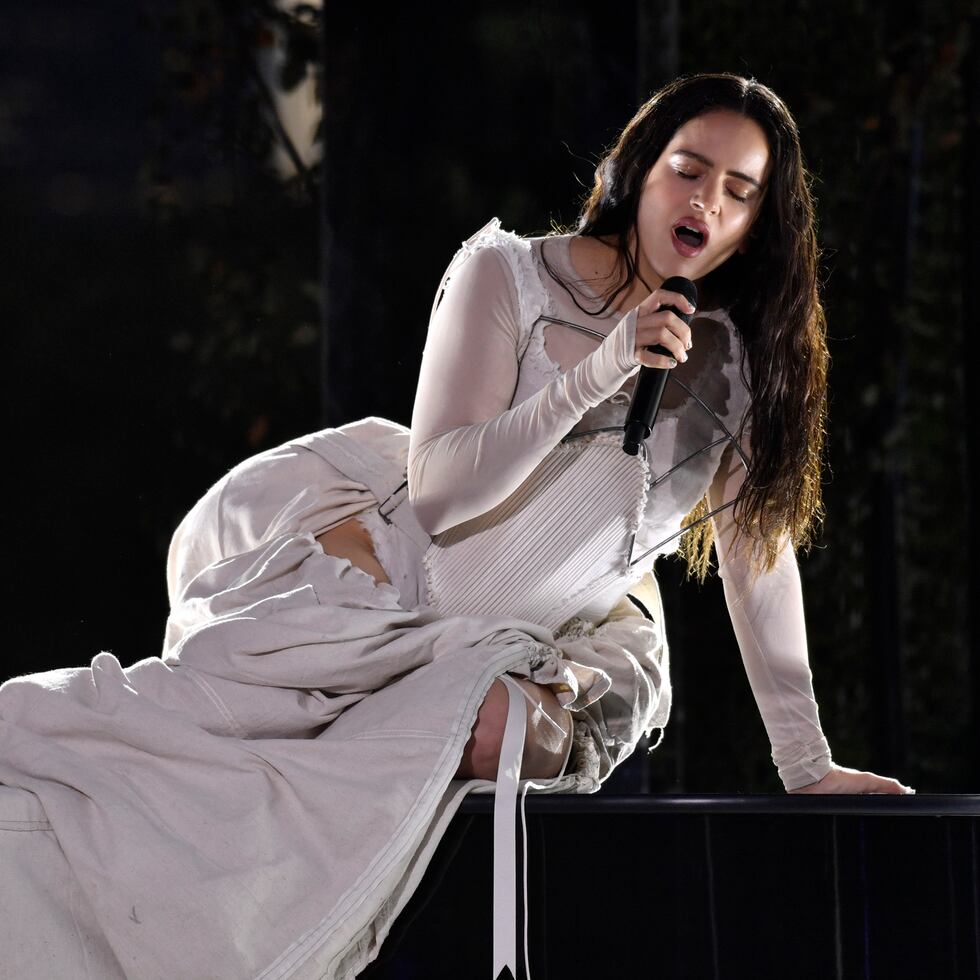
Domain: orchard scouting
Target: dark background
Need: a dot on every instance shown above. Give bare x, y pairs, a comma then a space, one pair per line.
174, 303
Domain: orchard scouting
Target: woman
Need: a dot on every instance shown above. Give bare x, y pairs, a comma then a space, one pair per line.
721, 156
370, 622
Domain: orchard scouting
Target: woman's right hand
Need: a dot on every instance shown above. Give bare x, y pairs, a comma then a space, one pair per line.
662, 327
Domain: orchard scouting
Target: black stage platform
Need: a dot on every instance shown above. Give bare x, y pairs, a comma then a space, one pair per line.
801, 887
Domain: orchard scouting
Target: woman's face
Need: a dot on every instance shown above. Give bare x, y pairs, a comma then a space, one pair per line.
710, 177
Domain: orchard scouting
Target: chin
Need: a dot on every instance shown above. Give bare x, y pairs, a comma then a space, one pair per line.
706, 270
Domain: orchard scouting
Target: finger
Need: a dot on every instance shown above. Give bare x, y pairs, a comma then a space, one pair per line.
649, 358
670, 349
670, 333
668, 320
884, 784
868, 782
666, 297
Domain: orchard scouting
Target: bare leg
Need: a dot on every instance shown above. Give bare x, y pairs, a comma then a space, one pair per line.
544, 748
351, 540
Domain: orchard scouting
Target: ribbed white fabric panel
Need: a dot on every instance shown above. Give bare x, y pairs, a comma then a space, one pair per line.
542, 553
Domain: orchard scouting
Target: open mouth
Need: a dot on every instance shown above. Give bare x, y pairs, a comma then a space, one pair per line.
689, 236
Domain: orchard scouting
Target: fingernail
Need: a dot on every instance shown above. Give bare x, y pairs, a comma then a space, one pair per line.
673, 363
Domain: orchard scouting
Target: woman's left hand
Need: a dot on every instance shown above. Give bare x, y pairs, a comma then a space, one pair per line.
842, 780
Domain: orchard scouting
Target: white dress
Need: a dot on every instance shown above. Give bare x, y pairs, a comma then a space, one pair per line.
512, 366
271, 789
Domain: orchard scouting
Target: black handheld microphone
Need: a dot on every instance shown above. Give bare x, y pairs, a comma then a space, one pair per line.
651, 381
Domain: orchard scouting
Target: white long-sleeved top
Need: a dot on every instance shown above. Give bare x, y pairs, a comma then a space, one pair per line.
511, 366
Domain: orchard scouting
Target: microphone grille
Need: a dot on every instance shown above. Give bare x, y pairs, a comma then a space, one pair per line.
682, 285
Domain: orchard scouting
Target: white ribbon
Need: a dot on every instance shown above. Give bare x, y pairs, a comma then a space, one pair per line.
504, 832
504, 837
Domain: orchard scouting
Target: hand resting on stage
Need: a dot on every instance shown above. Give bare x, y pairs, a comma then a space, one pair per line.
843, 780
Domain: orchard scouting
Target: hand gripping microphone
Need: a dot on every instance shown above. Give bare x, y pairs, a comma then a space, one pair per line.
650, 381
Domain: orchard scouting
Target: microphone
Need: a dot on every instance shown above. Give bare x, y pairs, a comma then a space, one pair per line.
650, 382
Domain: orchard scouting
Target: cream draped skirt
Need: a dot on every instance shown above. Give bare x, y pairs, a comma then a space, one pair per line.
263, 798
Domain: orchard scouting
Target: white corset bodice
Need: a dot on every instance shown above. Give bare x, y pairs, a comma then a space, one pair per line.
560, 540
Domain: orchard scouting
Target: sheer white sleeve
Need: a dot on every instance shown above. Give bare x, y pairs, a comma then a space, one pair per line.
469, 449
767, 616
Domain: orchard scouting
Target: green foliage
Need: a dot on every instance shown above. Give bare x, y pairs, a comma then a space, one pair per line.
246, 236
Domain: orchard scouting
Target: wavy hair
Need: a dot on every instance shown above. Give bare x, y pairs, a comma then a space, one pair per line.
770, 293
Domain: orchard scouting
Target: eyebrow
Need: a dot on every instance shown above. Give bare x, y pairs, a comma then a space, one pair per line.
710, 163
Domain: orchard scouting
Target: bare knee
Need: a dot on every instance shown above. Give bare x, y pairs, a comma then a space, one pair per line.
482, 753
546, 737
549, 729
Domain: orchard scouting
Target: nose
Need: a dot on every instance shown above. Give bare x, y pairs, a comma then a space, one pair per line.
705, 199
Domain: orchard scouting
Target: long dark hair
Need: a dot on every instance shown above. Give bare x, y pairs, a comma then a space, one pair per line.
771, 295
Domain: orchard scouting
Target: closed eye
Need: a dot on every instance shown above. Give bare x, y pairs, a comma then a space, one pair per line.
680, 173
